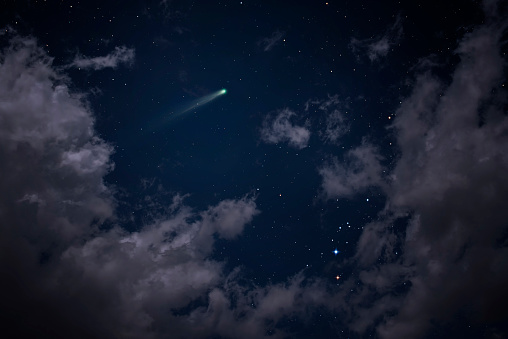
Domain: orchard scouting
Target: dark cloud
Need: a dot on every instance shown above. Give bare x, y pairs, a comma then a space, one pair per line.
53, 194
154, 272
69, 268
450, 180
257, 311
66, 274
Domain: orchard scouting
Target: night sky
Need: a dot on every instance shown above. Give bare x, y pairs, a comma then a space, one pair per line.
251, 169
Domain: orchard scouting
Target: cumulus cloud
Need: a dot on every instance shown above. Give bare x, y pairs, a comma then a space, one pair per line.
268, 43
379, 46
47, 143
153, 273
281, 129
450, 183
53, 166
65, 274
360, 170
121, 55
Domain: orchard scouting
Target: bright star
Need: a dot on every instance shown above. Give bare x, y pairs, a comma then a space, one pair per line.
335, 251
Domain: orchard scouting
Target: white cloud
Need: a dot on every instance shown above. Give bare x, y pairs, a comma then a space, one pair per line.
281, 129
121, 55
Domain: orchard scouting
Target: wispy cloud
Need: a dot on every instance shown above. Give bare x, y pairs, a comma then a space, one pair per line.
335, 122
378, 47
121, 55
281, 129
268, 43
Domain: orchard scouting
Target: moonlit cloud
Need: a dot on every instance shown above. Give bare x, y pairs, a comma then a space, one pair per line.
47, 142
66, 271
53, 193
121, 55
281, 129
164, 266
434, 250
450, 183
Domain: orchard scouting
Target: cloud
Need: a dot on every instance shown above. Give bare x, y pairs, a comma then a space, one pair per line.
112, 60
48, 143
67, 264
360, 170
53, 165
66, 271
268, 43
335, 122
379, 46
153, 273
281, 129
450, 186
258, 311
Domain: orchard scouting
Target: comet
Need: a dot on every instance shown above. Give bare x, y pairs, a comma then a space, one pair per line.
181, 110
197, 103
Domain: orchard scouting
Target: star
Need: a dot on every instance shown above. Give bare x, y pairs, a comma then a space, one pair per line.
335, 251
337, 277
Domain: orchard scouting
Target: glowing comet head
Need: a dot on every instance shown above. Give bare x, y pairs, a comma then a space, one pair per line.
223, 91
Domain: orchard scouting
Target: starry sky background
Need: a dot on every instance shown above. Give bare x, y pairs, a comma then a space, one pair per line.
351, 183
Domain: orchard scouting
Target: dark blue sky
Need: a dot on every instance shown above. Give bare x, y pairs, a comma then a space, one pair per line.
374, 128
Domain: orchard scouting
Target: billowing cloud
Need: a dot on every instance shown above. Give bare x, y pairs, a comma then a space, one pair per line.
154, 273
65, 271
450, 185
437, 251
53, 194
379, 46
48, 147
121, 55
281, 129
